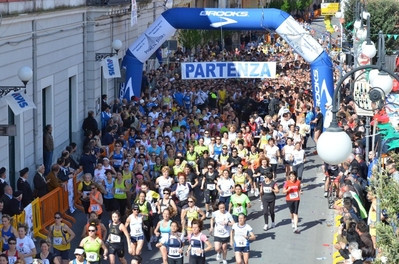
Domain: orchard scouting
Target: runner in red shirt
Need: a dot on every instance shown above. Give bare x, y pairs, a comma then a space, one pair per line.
292, 190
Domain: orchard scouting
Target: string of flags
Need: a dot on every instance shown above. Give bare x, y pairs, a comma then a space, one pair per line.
395, 36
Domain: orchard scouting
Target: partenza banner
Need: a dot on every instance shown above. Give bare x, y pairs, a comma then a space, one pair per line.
228, 69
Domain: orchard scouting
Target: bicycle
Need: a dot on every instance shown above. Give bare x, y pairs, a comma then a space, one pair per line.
331, 192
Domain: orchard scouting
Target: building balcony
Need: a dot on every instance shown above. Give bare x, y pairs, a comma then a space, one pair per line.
111, 2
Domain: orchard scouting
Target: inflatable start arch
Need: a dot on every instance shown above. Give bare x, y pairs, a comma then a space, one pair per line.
230, 19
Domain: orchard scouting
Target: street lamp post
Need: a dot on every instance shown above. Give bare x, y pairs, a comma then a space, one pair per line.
24, 74
116, 45
334, 145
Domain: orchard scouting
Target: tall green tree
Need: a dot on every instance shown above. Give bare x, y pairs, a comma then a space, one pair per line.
286, 6
384, 16
190, 38
387, 192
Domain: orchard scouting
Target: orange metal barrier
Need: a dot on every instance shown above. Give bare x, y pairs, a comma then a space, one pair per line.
43, 210
37, 218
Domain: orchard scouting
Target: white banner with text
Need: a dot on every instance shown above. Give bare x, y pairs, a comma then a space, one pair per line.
228, 69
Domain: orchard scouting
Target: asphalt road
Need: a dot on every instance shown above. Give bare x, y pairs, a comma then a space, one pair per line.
277, 245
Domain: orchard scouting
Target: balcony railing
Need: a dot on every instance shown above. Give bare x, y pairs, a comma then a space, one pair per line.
106, 2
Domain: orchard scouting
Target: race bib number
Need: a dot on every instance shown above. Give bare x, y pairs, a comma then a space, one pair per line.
95, 207
137, 231
267, 189
210, 187
227, 192
12, 259
298, 158
233, 169
129, 181
221, 231
57, 241
238, 210
174, 251
87, 193
153, 207
108, 190
117, 162
119, 191
91, 256
115, 238
189, 221
196, 252
163, 207
293, 195
241, 241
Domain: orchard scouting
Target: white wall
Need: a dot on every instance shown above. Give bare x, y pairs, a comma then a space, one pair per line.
64, 47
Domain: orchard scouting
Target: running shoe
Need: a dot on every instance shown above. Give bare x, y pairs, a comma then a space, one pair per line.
218, 256
325, 194
265, 227
149, 246
296, 230
252, 190
208, 215
224, 261
273, 225
256, 192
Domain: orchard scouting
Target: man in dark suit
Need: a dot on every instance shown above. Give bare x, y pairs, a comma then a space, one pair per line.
3, 182
24, 186
15, 206
40, 182
7, 196
90, 123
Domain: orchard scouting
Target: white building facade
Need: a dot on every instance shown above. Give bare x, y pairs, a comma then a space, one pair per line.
59, 45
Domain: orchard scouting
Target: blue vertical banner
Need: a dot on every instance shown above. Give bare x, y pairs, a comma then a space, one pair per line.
134, 70
322, 82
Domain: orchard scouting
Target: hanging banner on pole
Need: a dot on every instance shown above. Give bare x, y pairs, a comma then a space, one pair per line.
19, 102
111, 68
362, 100
133, 20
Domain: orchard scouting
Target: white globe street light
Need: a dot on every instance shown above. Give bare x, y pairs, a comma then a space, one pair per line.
361, 34
365, 14
25, 73
383, 81
357, 24
373, 73
117, 45
369, 49
334, 145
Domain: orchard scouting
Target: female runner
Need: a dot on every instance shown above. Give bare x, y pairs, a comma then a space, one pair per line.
196, 249
221, 223
241, 234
